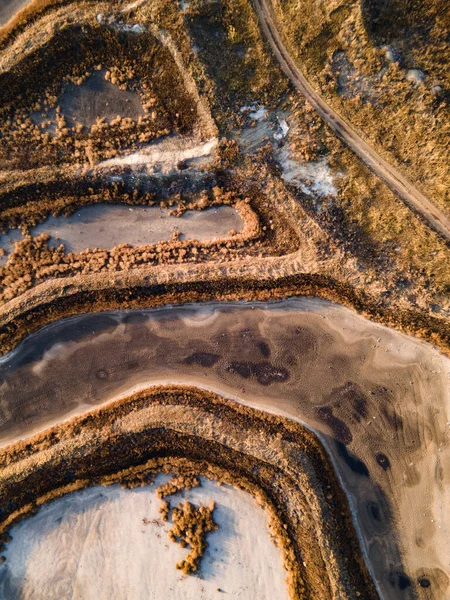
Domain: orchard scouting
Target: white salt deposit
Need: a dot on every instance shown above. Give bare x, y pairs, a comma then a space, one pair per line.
110, 544
313, 178
254, 111
130, 28
282, 131
165, 154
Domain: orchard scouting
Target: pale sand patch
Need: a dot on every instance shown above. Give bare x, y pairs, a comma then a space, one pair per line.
133, 5
95, 545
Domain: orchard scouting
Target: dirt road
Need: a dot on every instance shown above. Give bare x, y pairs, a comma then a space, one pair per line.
389, 174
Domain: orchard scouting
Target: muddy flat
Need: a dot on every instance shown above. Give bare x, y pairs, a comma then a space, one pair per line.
363, 388
110, 543
98, 98
108, 225
84, 103
8, 8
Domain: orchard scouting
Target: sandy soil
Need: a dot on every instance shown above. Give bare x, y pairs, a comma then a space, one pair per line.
110, 543
364, 388
108, 225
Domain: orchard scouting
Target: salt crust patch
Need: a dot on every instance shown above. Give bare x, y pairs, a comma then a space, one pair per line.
254, 111
166, 154
130, 28
95, 545
313, 178
283, 130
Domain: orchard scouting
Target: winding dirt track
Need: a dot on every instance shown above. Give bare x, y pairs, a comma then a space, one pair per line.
389, 174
